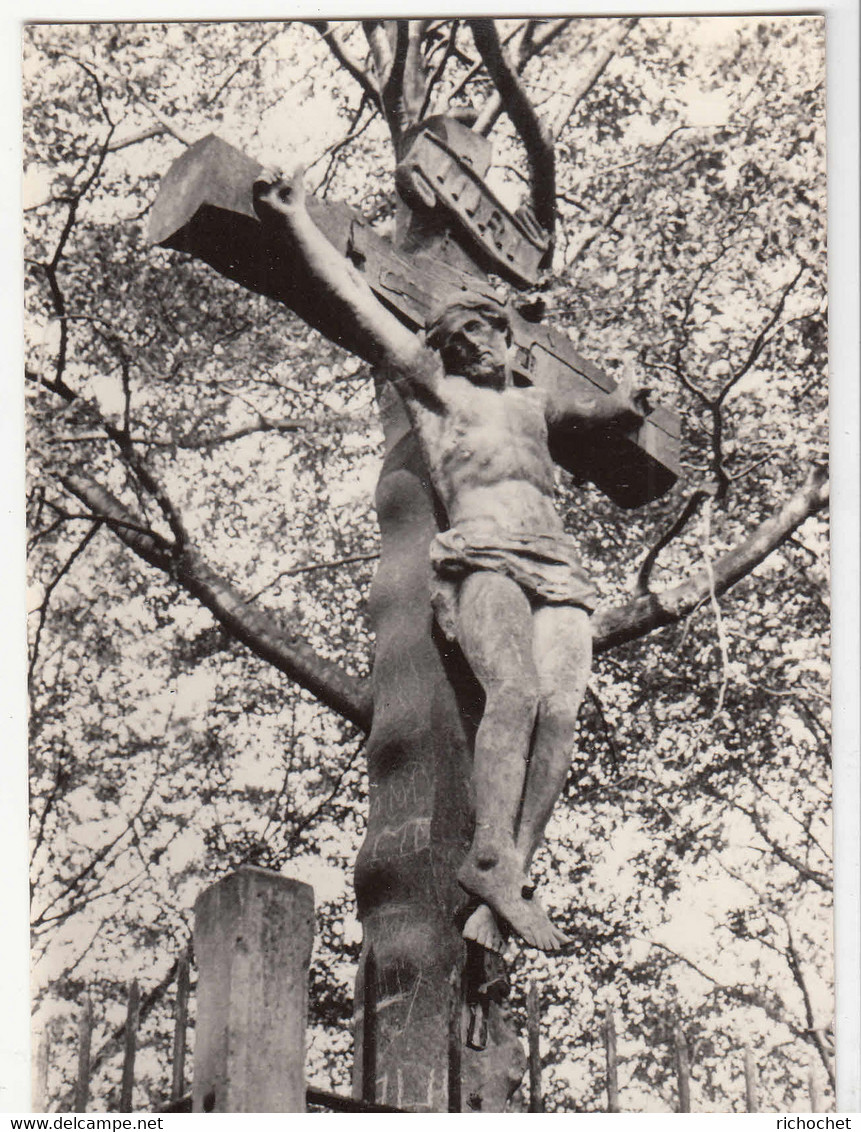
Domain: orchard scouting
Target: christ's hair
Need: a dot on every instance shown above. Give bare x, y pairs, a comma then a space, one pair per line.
449, 314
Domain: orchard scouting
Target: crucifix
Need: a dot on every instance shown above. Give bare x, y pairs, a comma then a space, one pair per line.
479, 607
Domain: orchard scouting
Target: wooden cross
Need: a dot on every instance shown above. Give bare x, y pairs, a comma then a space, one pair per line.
430, 1035
205, 208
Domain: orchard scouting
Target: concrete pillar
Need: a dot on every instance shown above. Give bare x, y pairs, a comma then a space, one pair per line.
253, 934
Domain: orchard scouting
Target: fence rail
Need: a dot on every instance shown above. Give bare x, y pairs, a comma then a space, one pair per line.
255, 992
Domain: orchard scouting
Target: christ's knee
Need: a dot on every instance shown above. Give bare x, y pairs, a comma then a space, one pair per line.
558, 711
511, 705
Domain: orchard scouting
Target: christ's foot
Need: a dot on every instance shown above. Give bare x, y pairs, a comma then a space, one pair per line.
497, 878
482, 928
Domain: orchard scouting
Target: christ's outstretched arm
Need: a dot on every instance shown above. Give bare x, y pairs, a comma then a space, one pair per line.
625, 408
382, 339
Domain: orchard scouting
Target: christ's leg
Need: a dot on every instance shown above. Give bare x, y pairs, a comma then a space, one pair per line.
562, 651
495, 632
563, 659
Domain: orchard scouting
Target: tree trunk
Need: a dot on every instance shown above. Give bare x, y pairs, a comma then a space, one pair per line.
418, 990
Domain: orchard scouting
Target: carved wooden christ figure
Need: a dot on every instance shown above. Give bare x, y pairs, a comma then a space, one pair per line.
504, 577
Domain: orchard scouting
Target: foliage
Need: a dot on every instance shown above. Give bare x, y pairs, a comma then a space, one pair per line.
690, 860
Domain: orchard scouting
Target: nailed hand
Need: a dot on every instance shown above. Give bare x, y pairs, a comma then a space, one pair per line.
274, 192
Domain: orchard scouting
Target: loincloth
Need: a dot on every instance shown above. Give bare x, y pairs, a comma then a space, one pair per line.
546, 568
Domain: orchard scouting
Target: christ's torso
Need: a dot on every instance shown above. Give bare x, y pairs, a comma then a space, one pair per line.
488, 455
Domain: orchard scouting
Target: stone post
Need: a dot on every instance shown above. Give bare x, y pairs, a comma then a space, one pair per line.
253, 934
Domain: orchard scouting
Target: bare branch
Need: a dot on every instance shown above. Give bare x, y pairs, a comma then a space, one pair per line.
60, 781
641, 616
73, 883
59, 385
238, 67
531, 130
379, 34
396, 49
49, 589
192, 441
473, 73
120, 436
259, 630
761, 338
609, 734
723, 643
351, 697
414, 81
819, 879
133, 139
294, 571
794, 961
530, 46
339, 50
749, 997
722, 478
335, 150
594, 73
138, 95
302, 823
439, 70
51, 269
673, 531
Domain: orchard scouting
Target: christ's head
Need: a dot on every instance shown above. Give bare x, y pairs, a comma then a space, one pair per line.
472, 334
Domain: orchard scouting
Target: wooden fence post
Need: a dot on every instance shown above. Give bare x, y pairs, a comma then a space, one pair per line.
40, 1072
130, 1046
85, 1038
612, 1062
750, 1084
533, 1031
252, 940
813, 1088
180, 1028
683, 1068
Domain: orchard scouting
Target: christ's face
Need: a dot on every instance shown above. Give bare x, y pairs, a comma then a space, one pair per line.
477, 350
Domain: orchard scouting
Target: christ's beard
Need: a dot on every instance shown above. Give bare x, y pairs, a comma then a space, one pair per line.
484, 371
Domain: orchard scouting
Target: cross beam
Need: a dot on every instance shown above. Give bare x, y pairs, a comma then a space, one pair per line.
204, 207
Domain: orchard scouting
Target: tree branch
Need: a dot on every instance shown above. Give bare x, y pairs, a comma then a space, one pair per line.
75, 882
757, 822
341, 53
474, 71
749, 997
594, 73
351, 697
449, 51
347, 560
60, 781
396, 49
794, 961
130, 456
192, 440
138, 94
675, 529
135, 138
530, 46
379, 34
49, 589
612, 627
531, 130
760, 340
234, 71
819, 879
334, 150
347, 695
